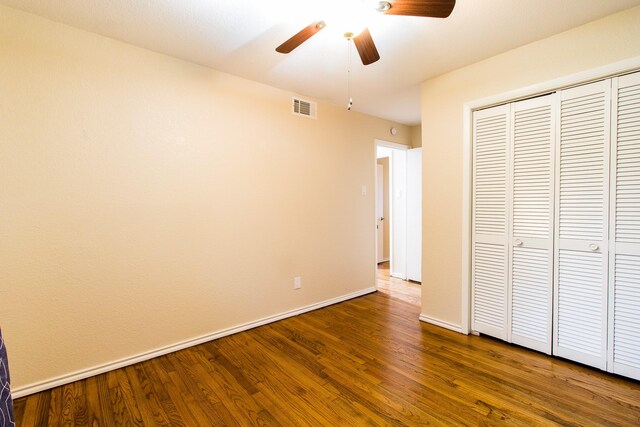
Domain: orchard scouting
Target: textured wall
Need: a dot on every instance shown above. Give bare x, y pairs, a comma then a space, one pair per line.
145, 200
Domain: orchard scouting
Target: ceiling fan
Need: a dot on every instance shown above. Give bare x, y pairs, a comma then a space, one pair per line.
363, 41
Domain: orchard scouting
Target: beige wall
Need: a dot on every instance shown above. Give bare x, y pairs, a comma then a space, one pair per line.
602, 42
386, 243
145, 200
416, 136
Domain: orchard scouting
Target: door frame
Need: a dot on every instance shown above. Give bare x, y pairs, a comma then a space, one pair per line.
394, 146
380, 213
607, 71
414, 214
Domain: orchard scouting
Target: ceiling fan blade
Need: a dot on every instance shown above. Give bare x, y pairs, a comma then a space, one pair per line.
301, 37
366, 47
426, 8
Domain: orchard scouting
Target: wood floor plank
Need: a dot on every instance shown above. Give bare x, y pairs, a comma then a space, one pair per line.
230, 388
312, 399
18, 409
367, 361
107, 415
126, 401
169, 396
204, 394
143, 391
36, 410
121, 414
55, 406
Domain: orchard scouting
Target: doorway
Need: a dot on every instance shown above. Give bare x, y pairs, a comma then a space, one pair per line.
391, 226
398, 218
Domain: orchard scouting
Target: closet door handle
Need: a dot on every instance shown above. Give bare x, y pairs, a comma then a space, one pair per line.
518, 242
594, 247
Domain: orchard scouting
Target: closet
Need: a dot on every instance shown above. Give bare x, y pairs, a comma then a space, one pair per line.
556, 223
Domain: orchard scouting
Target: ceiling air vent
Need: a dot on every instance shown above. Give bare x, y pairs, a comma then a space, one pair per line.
304, 108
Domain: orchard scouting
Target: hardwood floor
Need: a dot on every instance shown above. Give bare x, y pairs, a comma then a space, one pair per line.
397, 288
368, 361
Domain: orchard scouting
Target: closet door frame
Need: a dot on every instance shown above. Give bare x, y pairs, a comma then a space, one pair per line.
582, 77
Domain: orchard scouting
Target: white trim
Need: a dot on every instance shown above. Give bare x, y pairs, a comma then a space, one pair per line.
442, 324
400, 150
613, 250
375, 214
466, 219
610, 70
389, 144
127, 361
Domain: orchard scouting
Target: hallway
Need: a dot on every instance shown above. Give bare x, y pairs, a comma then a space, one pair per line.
397, 288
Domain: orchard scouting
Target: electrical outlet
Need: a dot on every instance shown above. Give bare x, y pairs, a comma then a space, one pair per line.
297, 282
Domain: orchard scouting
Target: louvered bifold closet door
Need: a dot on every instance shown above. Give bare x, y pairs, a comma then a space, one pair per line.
490, 230
531, 278
624, 267
581, 247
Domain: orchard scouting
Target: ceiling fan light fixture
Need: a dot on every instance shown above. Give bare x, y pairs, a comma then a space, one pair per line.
383, 6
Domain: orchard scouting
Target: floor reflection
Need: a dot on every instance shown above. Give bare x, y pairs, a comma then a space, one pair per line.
397, 288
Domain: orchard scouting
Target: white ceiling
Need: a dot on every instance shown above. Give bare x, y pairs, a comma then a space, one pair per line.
240, 36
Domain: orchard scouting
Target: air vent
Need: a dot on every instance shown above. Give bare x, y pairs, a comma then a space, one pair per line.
304, 108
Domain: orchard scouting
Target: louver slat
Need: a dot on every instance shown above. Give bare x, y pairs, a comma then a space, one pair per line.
626, 319
530, 294
628, 166
489, 258
532, 173
491, 175
582, 175
625, 260
532, 222
489, 286
580, 308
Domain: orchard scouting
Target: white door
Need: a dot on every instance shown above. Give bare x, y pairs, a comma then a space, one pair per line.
624, 267
414, 214
531, 225
379, 214
398, 207
581, 246
490, 232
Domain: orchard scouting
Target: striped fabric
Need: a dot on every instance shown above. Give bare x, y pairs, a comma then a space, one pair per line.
6, 404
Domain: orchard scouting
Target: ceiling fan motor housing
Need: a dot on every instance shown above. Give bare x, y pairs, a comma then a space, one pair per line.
383, 6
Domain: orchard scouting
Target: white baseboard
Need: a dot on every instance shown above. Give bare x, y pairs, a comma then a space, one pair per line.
441, 323
101, 369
